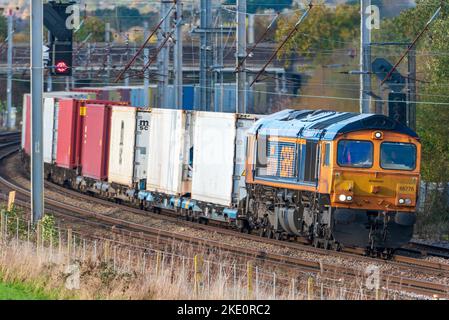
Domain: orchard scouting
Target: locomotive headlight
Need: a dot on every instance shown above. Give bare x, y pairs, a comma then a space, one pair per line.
349, 198
342, 198
408, 201
378, 135
401, 201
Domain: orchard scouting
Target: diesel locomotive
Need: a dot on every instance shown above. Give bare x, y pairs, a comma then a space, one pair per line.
339, 179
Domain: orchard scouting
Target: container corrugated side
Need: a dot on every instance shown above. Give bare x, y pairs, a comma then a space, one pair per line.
95, 142
67, 155
121, 150
213, 165
167, 128
48, 118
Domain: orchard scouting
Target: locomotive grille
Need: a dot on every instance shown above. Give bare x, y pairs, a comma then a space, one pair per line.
281, 160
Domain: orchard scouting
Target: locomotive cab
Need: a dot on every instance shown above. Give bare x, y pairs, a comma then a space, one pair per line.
374, 183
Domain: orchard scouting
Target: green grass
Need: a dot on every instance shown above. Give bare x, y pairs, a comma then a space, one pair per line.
17, 291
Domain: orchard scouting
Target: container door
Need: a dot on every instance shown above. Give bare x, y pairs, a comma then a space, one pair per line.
213, 165
142, 147
239, 186
121, 148
167, 129
68, 135
95, 144
48, 114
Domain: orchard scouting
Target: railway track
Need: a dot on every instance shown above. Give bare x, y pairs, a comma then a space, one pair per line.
121, 226
399, 260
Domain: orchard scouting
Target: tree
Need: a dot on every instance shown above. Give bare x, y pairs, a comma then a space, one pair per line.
324, 29
94, 26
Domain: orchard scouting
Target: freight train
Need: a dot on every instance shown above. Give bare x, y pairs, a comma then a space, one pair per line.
337, 179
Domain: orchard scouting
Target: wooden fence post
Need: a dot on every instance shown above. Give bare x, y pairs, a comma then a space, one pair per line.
69, 244
2, 225
310, 288
198, 276
249, 283
158, 262
38, 235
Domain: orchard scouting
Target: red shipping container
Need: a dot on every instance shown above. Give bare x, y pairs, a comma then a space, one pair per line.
95, 141
27, 136
69, 134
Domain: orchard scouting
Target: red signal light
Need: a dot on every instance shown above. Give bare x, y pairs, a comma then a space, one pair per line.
61, 67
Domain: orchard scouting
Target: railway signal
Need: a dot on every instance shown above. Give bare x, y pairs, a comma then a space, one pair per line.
62, 59
397, 107
56, 19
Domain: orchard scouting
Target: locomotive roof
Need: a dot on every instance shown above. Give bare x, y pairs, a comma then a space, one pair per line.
323, 124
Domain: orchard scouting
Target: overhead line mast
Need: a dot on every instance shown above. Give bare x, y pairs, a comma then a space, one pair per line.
241, 57
365, 57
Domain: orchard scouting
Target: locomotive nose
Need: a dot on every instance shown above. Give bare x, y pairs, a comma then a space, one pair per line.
375, 191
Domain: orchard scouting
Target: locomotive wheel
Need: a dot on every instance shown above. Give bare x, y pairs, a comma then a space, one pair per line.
262, 232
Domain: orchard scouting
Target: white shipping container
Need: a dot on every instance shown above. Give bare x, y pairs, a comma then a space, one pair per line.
219, 157
48, 134
121, 153
213, 165
142, 145
169, 135
24, 118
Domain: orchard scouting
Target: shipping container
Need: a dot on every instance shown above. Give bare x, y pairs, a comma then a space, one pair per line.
171, 135
219, 157
129, 142
49, 125
137, 97
95, 140
121, 155
26, 124
69, 134
225, 98
50, 117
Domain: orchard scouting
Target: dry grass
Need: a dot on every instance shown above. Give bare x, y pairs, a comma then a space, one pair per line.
121, 268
